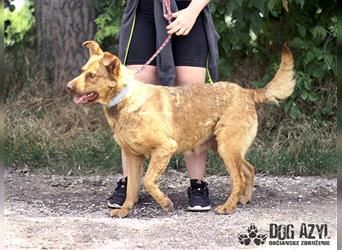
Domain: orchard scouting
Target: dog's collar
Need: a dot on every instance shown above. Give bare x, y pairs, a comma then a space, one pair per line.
119, 97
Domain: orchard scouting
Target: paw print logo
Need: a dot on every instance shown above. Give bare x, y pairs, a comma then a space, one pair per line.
252, 231
260, 239
243, 239
252, 236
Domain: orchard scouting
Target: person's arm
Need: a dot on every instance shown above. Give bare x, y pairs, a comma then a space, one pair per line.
186, 18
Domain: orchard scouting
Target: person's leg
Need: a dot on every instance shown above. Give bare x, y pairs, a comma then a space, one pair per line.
198, 193
186, 75
195, 163
190, 54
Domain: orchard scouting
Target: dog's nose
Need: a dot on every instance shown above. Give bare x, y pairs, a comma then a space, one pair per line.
70, 87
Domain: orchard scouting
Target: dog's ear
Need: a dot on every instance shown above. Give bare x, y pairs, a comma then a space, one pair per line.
112, 64
94, 48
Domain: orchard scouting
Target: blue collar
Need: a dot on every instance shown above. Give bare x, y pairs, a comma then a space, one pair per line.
119, 97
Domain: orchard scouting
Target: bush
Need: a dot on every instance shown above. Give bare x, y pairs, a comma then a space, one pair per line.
18, 23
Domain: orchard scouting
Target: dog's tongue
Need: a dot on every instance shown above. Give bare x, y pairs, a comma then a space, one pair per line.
80, 99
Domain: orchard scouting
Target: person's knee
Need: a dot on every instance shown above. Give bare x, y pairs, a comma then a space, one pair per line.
189, 75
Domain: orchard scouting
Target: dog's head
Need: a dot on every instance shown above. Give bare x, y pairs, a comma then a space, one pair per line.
100, 77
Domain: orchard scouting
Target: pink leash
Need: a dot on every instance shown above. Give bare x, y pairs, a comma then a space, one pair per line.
167, 12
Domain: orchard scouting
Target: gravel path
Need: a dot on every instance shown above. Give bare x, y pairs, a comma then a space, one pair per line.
44, 211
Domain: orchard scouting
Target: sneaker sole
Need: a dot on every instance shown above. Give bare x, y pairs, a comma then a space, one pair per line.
199, 208
113, 205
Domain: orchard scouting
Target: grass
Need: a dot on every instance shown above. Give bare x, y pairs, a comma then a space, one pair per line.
296, 150
55, 134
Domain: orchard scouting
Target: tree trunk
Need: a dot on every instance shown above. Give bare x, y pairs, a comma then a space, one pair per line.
62, 27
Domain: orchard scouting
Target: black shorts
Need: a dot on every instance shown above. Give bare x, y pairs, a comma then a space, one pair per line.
189, 50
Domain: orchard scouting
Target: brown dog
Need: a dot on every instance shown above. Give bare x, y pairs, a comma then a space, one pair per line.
157, 122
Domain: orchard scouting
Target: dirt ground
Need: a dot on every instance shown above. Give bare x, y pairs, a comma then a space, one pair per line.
45, 211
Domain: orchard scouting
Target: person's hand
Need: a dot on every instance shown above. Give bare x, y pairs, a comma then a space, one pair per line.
183, 22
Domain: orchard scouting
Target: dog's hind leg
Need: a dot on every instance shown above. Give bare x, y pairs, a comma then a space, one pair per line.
232, 161
234, 133
135, 169
249, 172
158, 163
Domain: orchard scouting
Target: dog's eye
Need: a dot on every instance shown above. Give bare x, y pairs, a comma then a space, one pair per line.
91, 75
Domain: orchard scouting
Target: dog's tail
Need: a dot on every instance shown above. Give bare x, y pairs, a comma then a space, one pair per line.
283, 83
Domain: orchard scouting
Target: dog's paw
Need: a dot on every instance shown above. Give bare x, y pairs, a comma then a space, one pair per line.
252, 231
225, 209
260, 239
244, 200
243, 239
167, 205
122, 212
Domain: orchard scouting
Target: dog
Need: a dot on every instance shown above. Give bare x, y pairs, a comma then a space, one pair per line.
157, 122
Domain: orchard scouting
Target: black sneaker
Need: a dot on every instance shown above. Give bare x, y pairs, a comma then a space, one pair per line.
198, 195
119, 195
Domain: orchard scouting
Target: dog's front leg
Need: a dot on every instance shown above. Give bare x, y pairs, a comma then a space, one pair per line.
159, 160
135, 165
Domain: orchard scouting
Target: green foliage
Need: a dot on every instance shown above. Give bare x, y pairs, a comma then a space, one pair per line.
9, 6
259, 28
108, 22
18, 23
19, 39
